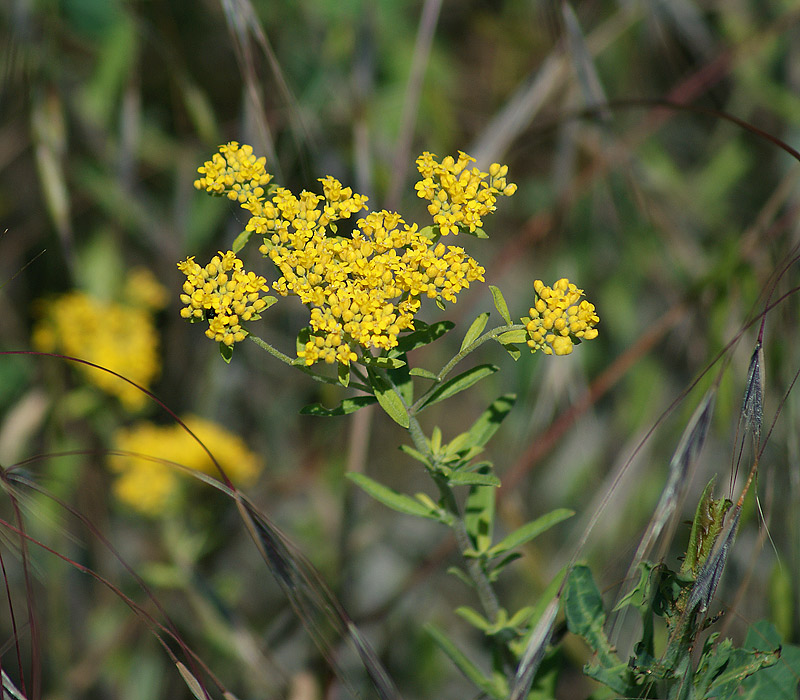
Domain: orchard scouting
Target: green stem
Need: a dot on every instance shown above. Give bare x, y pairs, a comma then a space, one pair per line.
480, 340
264, 345
483, 586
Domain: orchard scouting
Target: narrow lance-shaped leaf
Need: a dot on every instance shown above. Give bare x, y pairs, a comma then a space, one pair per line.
500, 303
390, 498
479, 516
422, 336
464, 664
475, 330
388, 397
457, 384
530, 530
489, 421
350, 405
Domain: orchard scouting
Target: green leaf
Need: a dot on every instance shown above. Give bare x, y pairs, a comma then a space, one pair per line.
475, 330
778, 682
491, 688
530, 531
472, 479
513, 351
400, 376
461, 576
585, 615
415, 454
343, 374
473, 617
500, 303
479, 516
226, 351
350, 405
516, 336
390, 498
388, 397
241, 241
303, 336
384, 362
424, 335
489, 421
457, 384
419, 372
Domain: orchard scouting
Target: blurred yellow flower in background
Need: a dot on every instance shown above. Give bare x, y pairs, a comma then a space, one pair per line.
119, 337
148, 486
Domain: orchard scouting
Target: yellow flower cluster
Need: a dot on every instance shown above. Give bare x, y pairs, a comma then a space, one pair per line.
148, 485
234, 172
363, 290
119, 337
223, 294
558, 320
460, 196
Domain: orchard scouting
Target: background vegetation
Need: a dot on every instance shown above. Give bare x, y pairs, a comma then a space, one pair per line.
675, 222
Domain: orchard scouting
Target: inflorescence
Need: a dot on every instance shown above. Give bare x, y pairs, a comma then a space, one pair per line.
365, 289
558, 319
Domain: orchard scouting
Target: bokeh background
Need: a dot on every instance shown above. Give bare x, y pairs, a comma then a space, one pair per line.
678, 223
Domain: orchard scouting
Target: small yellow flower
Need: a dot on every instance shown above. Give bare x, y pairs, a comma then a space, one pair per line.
460, 196
234, 172
223, 294
559, 319
115, 336
150, 485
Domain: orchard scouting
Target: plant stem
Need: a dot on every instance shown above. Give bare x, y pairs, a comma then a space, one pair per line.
483, 586
480, 340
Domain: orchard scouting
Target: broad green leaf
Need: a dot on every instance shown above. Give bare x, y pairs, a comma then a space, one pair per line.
241, 241
457, 384
530, 531
419, 372
388, 398
226, 351
343, 374
489, 421
350, 405
475, 330
585, 615
778, 682
472, 479
390, 498
500, 303
493, 689
424, 335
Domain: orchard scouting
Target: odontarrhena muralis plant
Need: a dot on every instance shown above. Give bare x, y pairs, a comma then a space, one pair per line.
364, 293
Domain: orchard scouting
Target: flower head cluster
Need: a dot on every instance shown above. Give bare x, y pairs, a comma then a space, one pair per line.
119, 337
460, 196
223, 294
148, 485
234, 172
559, 319
362, 290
